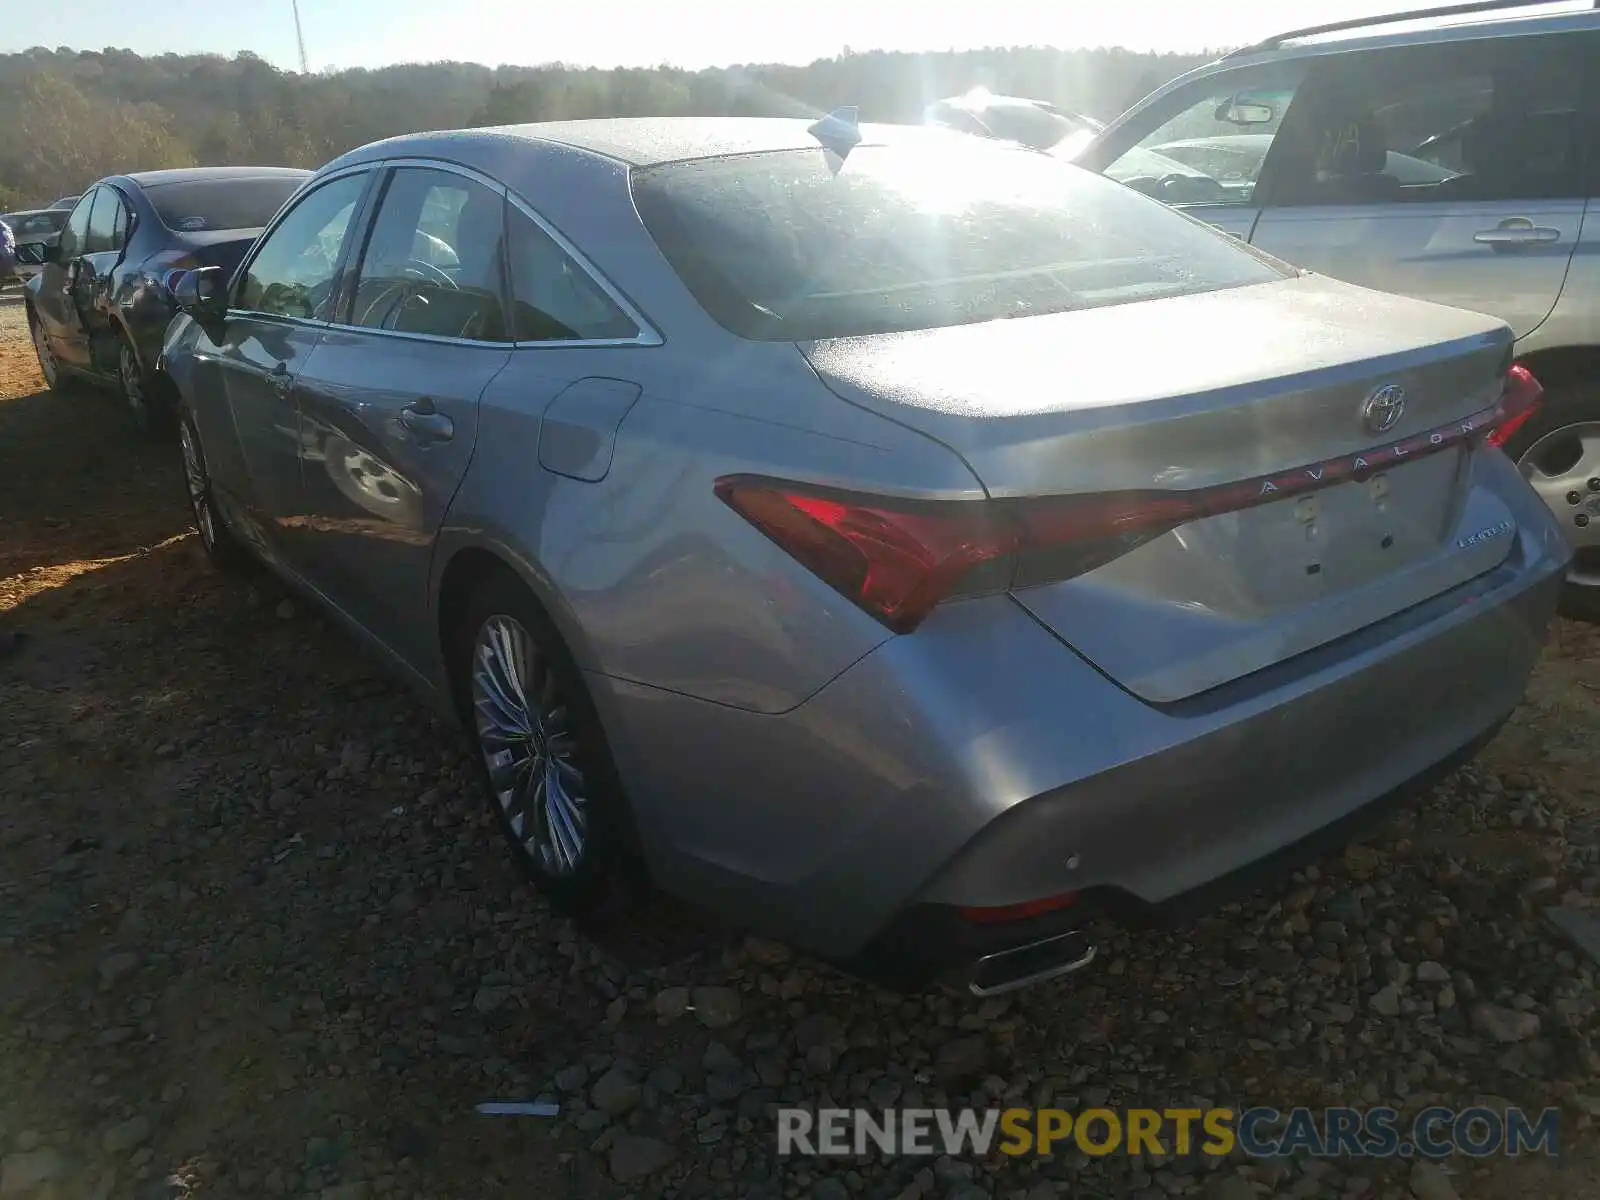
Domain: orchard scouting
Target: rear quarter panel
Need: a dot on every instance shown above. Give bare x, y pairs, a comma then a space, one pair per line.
651, 577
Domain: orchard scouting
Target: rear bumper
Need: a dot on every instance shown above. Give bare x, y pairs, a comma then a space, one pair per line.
979, 762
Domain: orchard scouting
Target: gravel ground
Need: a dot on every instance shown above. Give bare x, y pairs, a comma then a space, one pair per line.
259, 937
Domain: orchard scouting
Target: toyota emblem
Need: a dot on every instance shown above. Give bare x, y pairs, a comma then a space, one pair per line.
1382, 410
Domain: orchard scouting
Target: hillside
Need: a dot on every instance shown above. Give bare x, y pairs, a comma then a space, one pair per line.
72, 116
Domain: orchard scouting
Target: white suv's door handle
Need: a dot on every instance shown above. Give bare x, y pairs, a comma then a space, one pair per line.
1517, 231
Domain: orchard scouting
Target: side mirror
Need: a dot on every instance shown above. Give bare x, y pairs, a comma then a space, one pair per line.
1243, 111
32, 253
49, 251
203, 294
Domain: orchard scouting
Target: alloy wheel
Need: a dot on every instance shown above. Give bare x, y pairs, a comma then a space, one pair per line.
1563, 466
199, 486
525, 733
47, 360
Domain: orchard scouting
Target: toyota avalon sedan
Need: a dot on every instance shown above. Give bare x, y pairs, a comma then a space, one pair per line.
900, 542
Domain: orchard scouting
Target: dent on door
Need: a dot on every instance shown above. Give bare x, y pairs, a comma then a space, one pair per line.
579, 434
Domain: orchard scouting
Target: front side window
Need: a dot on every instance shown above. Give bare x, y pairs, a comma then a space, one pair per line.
787, 246
433, 262
293, 272
1210, 143
1499, 119
76, 233
554, 299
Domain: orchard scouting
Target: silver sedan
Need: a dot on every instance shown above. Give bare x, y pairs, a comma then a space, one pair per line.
906, 544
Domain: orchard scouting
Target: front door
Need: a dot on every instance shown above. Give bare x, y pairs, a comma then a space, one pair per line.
389, 399
57, 300
280, 304
1202, 148
1453, 172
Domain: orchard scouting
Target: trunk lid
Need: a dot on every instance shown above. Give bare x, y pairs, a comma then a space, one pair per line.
1253, 383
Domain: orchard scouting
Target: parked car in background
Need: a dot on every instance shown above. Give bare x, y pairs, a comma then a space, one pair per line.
33, 228
702, 479
1451, 159
66, 202
100, 304
1037, 124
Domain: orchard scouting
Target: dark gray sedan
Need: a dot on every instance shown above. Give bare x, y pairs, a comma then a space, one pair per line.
99, 305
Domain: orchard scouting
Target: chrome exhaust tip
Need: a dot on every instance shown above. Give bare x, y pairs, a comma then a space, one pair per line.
1034, 962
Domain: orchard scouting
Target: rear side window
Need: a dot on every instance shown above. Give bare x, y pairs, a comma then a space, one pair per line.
432, 262
554, 299
102, 235
1498, 119
199, 205
790, 245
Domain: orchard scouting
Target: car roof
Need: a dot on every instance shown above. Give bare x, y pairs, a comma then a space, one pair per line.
147, 179
637, 141
1417, 28
1502, 19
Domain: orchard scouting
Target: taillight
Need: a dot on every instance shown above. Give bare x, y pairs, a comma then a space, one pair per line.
1523, 395
898, 558
894, 558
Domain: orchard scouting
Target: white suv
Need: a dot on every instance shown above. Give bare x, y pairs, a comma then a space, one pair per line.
1451, 154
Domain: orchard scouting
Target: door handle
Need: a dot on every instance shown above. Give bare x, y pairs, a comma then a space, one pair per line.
426, 423
1517, 231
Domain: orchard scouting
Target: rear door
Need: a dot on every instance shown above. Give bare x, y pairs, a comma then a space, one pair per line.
1452, 172
1203, 148
389, 398
93, 285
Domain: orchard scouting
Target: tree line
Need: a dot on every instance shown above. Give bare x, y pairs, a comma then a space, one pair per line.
69, 117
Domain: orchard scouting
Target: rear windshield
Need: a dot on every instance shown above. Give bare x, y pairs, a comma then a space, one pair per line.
201, 204
777, 246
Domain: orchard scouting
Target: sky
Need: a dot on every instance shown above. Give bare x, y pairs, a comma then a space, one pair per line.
609, 33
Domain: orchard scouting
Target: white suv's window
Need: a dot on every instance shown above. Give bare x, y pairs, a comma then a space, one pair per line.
1498, 119
1211, 143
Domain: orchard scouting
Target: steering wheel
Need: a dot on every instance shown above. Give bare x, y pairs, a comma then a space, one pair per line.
428, 271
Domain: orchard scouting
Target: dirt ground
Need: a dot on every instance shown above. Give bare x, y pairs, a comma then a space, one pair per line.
258, 938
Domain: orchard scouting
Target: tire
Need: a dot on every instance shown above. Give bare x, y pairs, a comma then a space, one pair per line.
216, 539
569, 825
1558, 452
142, 398
56, 377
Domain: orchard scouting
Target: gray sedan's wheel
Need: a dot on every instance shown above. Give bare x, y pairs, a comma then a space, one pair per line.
215, 537
544, 757
1558, 453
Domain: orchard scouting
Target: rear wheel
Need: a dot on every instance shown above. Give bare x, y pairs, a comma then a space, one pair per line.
140, 394
545, 762
55, 378
1558, 452
215, 538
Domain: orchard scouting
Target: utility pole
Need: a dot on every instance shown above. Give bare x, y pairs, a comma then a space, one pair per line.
300, 37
